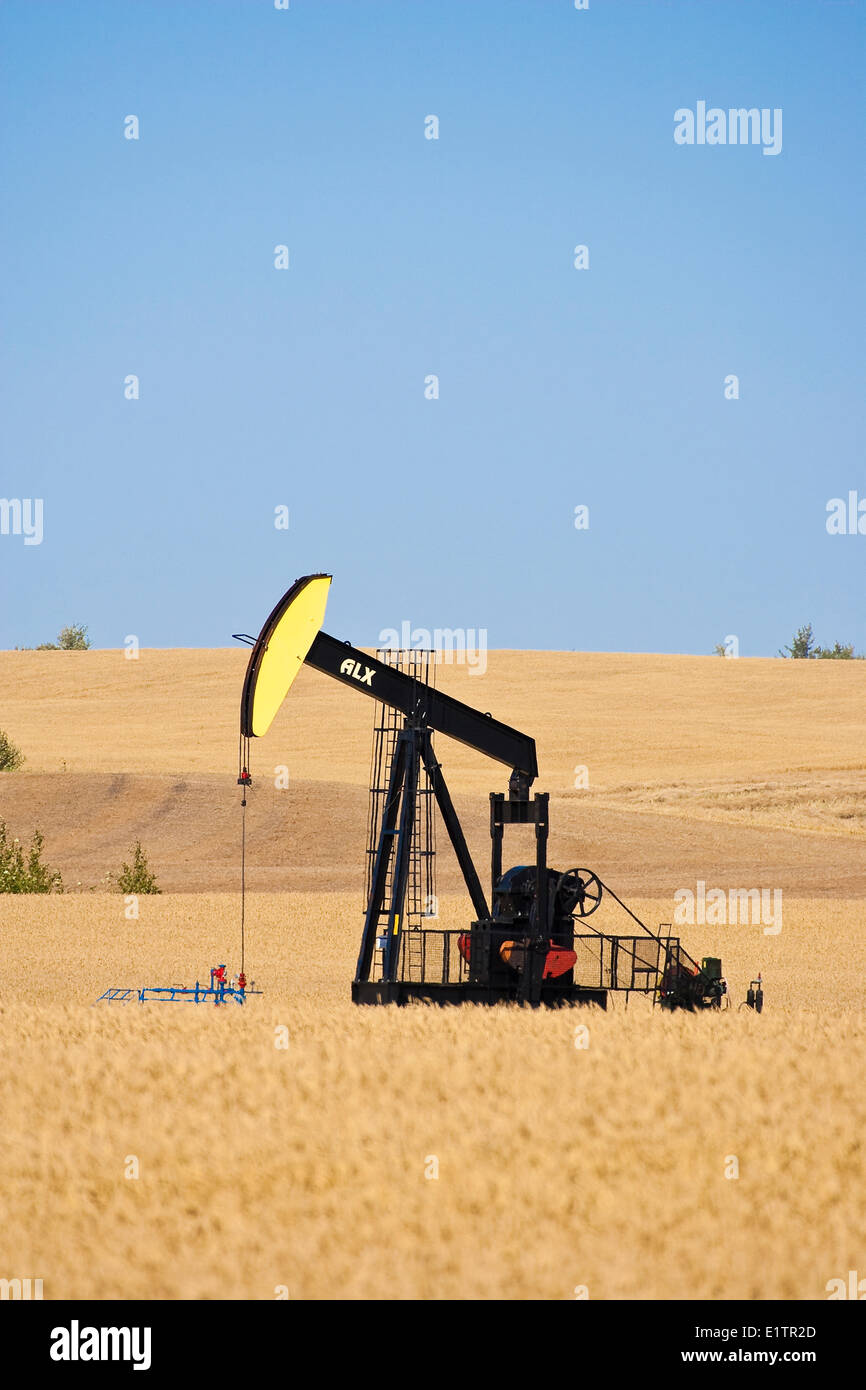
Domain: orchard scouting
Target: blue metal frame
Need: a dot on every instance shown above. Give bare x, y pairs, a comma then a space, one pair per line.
183, 994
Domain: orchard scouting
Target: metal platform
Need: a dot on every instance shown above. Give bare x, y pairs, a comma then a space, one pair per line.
432, 968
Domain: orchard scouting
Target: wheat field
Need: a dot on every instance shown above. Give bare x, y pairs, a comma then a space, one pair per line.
302, 1147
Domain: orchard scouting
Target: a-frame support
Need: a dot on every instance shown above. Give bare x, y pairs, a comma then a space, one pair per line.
393, 852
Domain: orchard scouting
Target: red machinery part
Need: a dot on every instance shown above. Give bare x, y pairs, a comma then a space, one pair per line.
558, 960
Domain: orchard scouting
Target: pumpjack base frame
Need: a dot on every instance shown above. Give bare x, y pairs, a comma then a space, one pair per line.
409, 991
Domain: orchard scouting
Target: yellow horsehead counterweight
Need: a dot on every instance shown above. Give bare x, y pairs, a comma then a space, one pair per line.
280, 651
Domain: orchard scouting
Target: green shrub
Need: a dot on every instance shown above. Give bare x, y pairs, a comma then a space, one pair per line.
30, 875
69, 639
836, 653
803, 648
137, 877
74, 639
10, 754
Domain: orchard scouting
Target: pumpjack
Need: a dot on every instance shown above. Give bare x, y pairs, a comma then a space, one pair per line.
533, 944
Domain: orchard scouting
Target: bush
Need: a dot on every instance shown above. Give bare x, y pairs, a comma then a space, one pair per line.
835, 653
18, 875
74, 639
11, 756
69, 639
137, 878
803, 648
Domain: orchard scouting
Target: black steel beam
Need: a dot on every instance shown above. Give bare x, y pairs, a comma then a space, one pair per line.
384, 854
497, 800
400, 870
420, 701
453, 826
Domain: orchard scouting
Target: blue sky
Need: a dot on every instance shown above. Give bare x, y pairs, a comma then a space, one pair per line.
409, 257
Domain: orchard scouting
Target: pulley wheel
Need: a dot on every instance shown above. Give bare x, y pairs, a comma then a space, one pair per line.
580, 890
